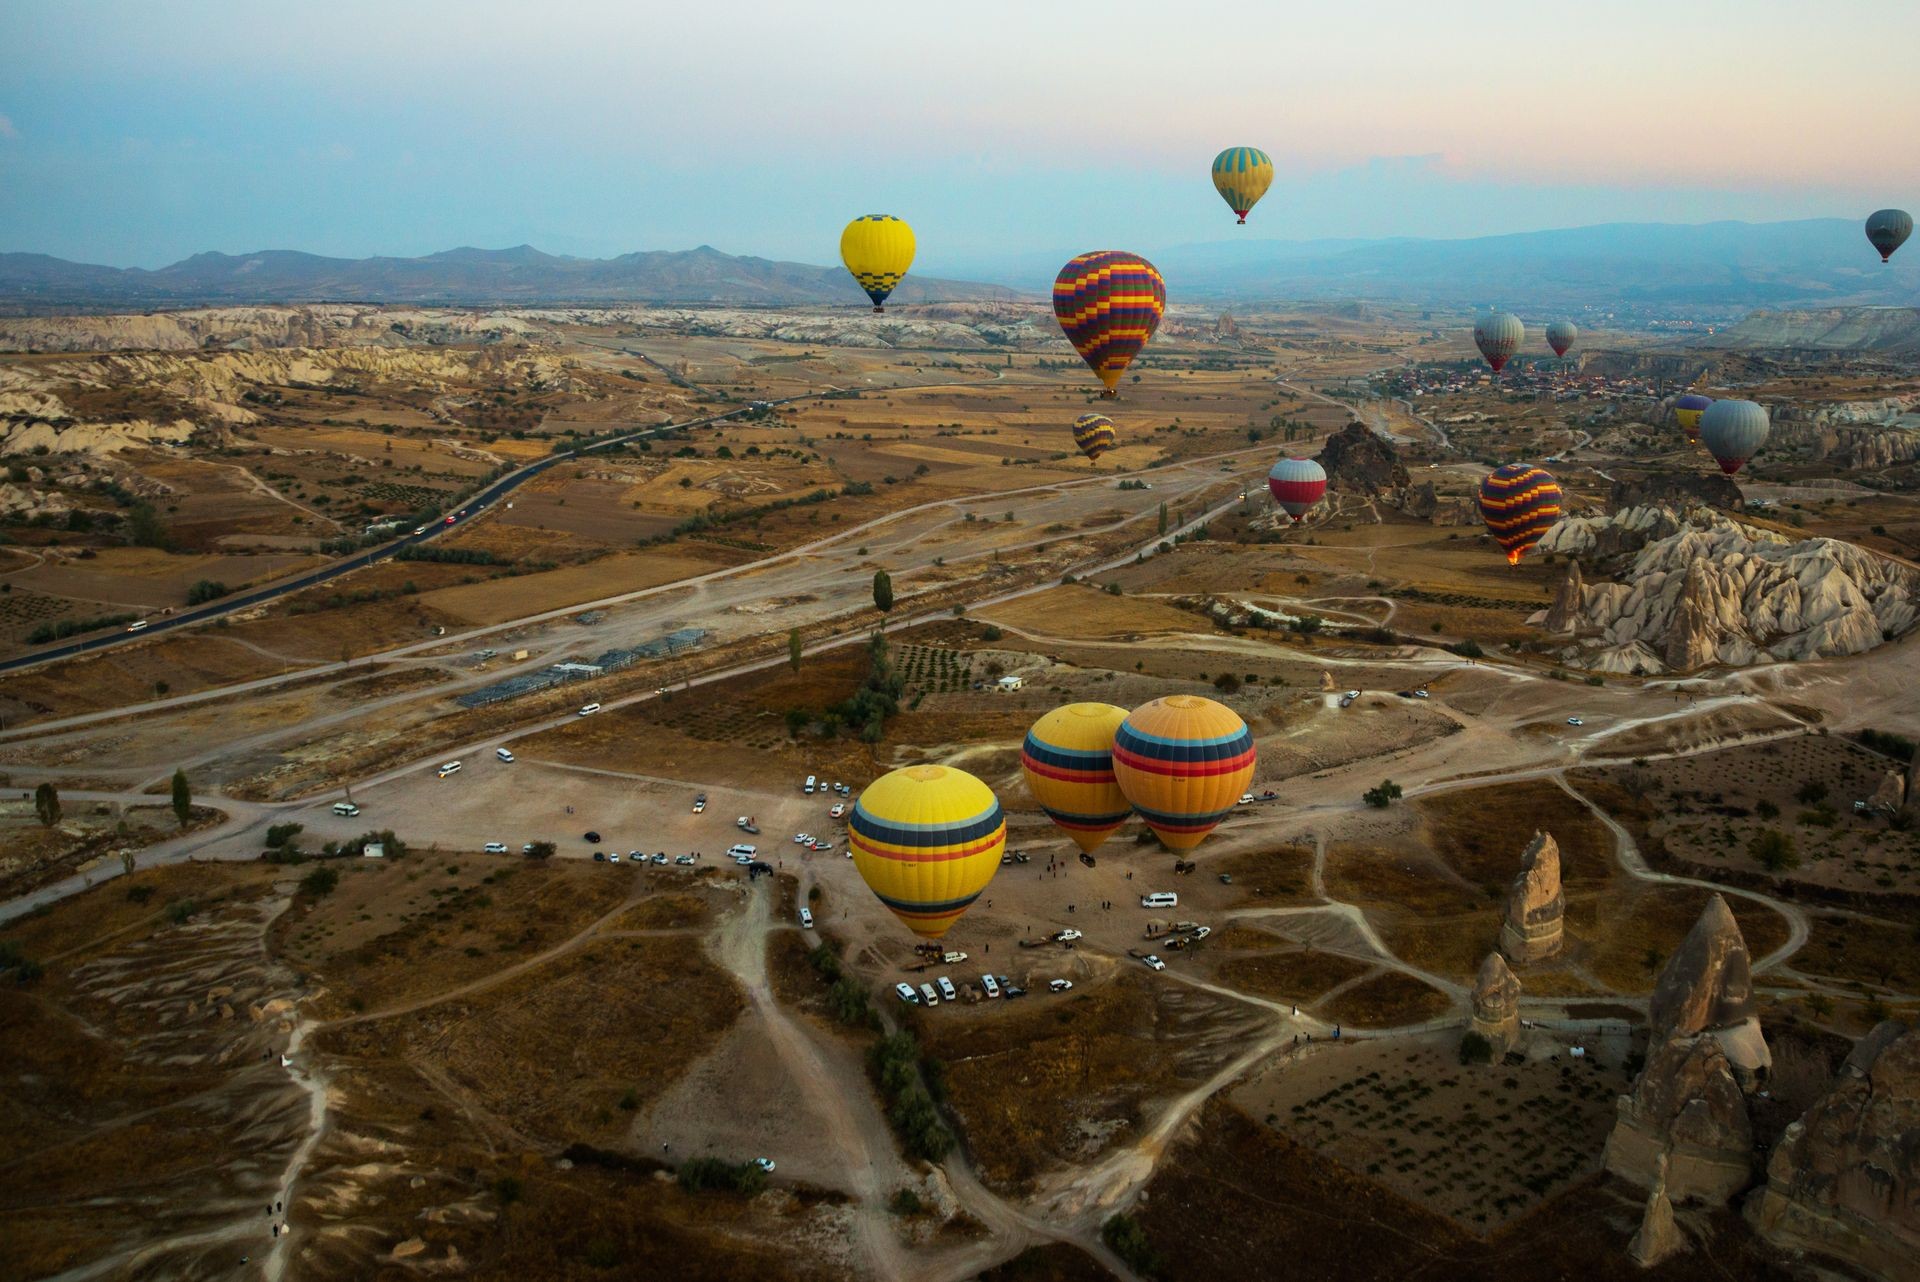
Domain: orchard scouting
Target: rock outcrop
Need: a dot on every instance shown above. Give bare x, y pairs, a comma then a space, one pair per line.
1688, 1111
1844, 1180
1707, 988
1891, 795
1496, 1005
1326, 680
1564, 615
1427, 504
1359, 459
1536, 908
1658, 1236
1675, 489
1702, 589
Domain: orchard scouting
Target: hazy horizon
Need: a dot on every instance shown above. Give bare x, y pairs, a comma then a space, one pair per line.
132, 137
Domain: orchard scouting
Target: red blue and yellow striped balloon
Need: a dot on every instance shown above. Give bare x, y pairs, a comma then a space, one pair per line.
1183, 761
1068, 759
1519, 502
1093, 433
927, 840
1109, 303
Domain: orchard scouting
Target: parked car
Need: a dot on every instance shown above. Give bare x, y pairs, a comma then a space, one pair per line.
1160, 899
764, 1163
802, 838
587, 710
1226, 879
599, 856
822, 844
1353, 694
700, 804
685, 861
1201, 932
906, 994
988, 986
806, 918
1059, 985
660, 858
1066, 936
450, 767
1419, 694
810, 781
947, 990
742, 848
504, 755
589, 836
929, 994
1246, 799
1153, 962
839, 808
1576, 721
495, 847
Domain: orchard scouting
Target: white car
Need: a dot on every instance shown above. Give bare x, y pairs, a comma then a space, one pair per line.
820, 844
1059, 985
685, 861
138, 625
504, 755
613, 857
988, 987
1353, 694
810, 782
1246, 799
806, 918
1153, 962
764, 1163
588, 710
742, 848
1066, 936
1201, 932
1576, 721
839, 809
1419, 694
947, 990
449, 768
906, 994
802, 838
495, 847
929, 994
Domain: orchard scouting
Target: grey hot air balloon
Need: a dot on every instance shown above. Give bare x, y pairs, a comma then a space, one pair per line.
1888, 229
1561, 335
1733, 432
1498, 336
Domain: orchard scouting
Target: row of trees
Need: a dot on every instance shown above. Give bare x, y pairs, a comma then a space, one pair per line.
47, 807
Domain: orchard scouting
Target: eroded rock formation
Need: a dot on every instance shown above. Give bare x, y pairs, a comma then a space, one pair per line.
1496, 1005
1688, 1111
1536, 908
1707, 988
1564, 615
1682, 489
1658, 1236
1359, 459
1844, 1180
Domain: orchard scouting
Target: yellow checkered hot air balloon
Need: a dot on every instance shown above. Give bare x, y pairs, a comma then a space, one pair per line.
927, 840
1242, 175
877, 249
1068, 759
1183, 762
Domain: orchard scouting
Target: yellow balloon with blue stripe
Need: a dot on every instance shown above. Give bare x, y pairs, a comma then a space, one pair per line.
1242, 175
927, 840
1068, 760
877, 249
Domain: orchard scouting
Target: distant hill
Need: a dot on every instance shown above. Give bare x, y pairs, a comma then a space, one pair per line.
1724, 265
36, 282
1892, 330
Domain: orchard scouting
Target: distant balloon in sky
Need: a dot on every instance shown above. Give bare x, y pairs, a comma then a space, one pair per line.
1519, 503
1242, 175
1093, 435
1297, 484
1733, 432
877, 249
1562, 335
1498, 335
1888, 229
1687, 411
1109, 302
927, 840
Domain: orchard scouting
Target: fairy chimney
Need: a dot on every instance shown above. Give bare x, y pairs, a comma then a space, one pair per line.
1535, 907
1496, 1005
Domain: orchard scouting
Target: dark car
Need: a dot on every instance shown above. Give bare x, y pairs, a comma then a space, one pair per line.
1086, 859
589, 836
599, 856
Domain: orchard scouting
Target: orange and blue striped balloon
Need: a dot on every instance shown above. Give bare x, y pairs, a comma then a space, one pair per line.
1093, 433
1109, 303
927, 840
1068, 760
1183, 762
1519, 502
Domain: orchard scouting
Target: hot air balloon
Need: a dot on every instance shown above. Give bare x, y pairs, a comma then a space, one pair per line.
1733, 432
1888, 229
1068, 759
1183, 762
1297, 484
1498, 336
1518, 502
1561, 335
1093, 434
1109, 303
1687, 411
1242, 175
927, 840
877, 249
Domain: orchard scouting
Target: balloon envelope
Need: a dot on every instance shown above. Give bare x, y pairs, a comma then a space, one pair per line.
1068, 760
1297, 484
877, 249
1498, 335
1561, 335
1888, 229
1242, 175
1093, 434
1687, 411
1733, 432
1109, 303
927, 840
1183, 762
1519, 502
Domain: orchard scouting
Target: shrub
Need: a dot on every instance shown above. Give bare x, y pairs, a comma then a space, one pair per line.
282, 835
1383, 796
1126, 1239
704, 1174
320, 882
1773, 850
1475, 1049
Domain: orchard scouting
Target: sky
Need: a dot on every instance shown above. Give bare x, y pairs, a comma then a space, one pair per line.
135, 134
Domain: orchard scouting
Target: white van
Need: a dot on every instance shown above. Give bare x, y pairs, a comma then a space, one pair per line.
449, 768
503, 754
743, 849
139, 626
810, 781
1160, 899
345, 809
589, 709
947, 990
806, 918
988, 986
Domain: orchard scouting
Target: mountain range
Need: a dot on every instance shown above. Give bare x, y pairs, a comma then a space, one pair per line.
1715, 268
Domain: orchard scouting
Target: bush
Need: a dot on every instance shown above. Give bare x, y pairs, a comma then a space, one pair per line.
507, 1189
1773, 850
1811, 793
711, 1174
540, 850
139, 894
1226, 683
281, 835
1468, 649
1475, 1049
320, 882
905, 1202
206, 590
1383, 796
1126, 1239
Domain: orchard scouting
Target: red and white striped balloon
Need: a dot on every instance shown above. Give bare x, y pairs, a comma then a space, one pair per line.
1297, 484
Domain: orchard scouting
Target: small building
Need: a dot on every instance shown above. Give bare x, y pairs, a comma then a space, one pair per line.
1010, 683
374, 850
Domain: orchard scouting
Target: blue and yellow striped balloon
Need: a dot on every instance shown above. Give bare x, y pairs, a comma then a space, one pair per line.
927, 840
1242, 175
1093, 433
1109, 303
1068, 759
1183, 762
